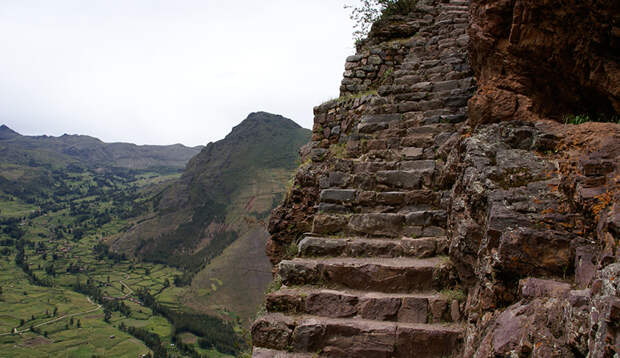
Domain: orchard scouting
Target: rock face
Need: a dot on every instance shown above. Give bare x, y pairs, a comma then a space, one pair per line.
441, 215
544, 58
520, 212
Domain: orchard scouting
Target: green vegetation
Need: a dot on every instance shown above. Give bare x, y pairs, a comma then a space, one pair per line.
56, 268
370, 11
349, 97
60, 319
244, 175
79, 151
338, 150
456, 294
149, 256
263, 142
584, 118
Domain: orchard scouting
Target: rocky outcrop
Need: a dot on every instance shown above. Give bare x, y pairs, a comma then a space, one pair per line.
531, 224
544, 58
435, 218
534, 202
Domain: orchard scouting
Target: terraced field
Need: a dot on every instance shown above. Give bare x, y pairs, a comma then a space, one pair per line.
41, 312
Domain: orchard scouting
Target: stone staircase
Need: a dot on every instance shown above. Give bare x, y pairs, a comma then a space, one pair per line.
373, 278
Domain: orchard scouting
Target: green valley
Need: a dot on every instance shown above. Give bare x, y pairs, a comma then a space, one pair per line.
103, 259
56, 267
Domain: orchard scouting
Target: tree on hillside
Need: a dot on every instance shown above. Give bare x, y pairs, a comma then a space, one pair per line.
107, 315
369, 11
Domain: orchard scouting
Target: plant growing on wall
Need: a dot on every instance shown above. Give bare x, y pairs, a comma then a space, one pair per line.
369, 11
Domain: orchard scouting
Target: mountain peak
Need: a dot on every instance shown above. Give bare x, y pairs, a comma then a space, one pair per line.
263, 121
7, 133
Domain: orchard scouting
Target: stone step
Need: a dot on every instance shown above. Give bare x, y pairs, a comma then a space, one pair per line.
380, 154
406, 98
391, 132
430, 86
259, 352
373, 122
363, 247
388, 275
408, 308
455, 6
367, 201
347, 337
345, 168
406, 179
409, 175
424, 223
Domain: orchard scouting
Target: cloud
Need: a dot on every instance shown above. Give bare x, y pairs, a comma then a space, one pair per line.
161, 72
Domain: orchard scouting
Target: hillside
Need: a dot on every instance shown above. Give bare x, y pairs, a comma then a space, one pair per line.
216, 209
31, 167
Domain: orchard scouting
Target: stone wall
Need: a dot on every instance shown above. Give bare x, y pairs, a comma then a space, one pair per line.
373, 67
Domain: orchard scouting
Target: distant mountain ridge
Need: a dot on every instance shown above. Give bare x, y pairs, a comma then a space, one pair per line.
88, 151
7, 133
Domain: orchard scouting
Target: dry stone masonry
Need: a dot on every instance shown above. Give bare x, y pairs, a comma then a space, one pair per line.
435, 215
371, 278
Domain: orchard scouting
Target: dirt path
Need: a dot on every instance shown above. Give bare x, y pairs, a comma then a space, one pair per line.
54, 320
127, 287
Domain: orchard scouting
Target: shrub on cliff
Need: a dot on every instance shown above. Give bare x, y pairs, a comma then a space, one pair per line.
369, 11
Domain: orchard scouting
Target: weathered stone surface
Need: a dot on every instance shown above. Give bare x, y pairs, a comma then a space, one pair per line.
299, 273
534, 288
414, 310
401, 179
328, 224
258, 352
338, 195
516, 215
534, 38
379, 308
331, 304
381, 275
380, 118
272, 331
361, 247
412, 153
362, 338
414, 342
377, 224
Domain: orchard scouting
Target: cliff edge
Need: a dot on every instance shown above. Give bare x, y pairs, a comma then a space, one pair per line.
453, 202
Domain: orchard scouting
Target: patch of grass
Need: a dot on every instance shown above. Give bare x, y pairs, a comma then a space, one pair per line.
346, 98
456, 294
338, 150
578, 119
291, 251
275, 285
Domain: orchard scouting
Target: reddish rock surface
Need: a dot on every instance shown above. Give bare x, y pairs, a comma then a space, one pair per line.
546, 58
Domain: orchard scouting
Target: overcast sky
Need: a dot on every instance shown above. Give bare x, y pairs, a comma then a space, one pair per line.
166, 71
